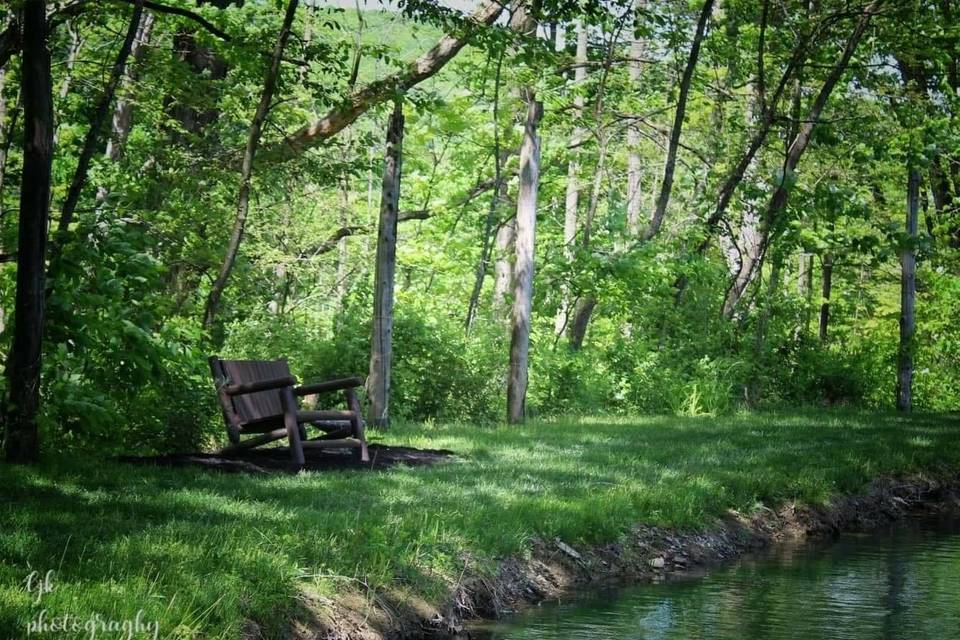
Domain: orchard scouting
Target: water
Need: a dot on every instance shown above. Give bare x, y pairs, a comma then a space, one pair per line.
899, 583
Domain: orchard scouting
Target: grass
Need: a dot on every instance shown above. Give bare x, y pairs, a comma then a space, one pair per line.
202, 552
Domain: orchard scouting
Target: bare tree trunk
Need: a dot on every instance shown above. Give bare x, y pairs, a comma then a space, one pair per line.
246, 171
754, 387
24, 364
666, 185
634, 167
123, 111
4, 135
908, 295
72, 52
495, 201
577, 330
92, 139
503, 266
572, 200
778, 201
381, 350
524, 265
826, 286
343, 249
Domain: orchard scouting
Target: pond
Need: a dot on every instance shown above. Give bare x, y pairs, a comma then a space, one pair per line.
902, 582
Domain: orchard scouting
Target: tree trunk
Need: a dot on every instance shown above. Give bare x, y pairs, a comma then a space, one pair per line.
826, 287
24, 365
72, 52
362, 100
341, 287
92, 138
634, 167
778, 201
495, 202
577, 330
908, 295
523, 266
572, 200
503, 266
381, 351
123, 111
4, 135
246, 170
666, 185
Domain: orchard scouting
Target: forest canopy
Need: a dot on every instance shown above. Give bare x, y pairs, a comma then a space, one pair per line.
627, 206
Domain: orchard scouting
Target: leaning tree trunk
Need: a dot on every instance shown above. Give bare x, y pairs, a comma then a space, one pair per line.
666, 185
778, 201
23, 371
123, 111
246, 170
826, 286
908, 295
381, 350
92, 138
523, 266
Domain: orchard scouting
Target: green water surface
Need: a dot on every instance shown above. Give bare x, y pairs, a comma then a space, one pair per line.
899, 583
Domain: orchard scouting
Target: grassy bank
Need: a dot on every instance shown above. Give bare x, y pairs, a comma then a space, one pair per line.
202, 552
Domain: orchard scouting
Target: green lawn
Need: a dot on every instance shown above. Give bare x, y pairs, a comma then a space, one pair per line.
200, 552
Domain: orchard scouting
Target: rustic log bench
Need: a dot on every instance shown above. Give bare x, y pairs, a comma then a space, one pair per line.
259, 398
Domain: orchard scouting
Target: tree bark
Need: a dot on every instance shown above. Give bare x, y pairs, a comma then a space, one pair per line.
361, 101
91, 140
343, 248
4, 133
572, 200
577, 330
634, 166
666, 185
24, 364
524, 264
246, 170
826, 286
908, 296
503, 265
381, 351
123, 111
778, 200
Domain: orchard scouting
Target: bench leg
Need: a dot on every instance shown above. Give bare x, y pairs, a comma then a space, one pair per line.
289, 404
357, 423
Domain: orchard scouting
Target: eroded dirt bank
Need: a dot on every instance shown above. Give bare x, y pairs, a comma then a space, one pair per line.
648, 553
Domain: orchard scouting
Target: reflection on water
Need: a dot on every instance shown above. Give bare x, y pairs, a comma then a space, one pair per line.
900, 583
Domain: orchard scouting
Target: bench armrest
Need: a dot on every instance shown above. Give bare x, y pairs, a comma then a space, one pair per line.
259, 385
330, 385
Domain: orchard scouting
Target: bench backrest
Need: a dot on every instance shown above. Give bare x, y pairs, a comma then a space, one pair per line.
250, 406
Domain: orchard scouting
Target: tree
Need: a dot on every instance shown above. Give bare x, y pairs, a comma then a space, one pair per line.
669, 165
778, 201
246, 170
908, 295
526, 224
381, 348
94, 133
23, 370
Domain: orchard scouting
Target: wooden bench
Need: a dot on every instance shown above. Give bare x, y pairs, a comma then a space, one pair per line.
259, 399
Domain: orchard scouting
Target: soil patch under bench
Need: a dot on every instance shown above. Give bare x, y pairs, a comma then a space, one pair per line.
277, 460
